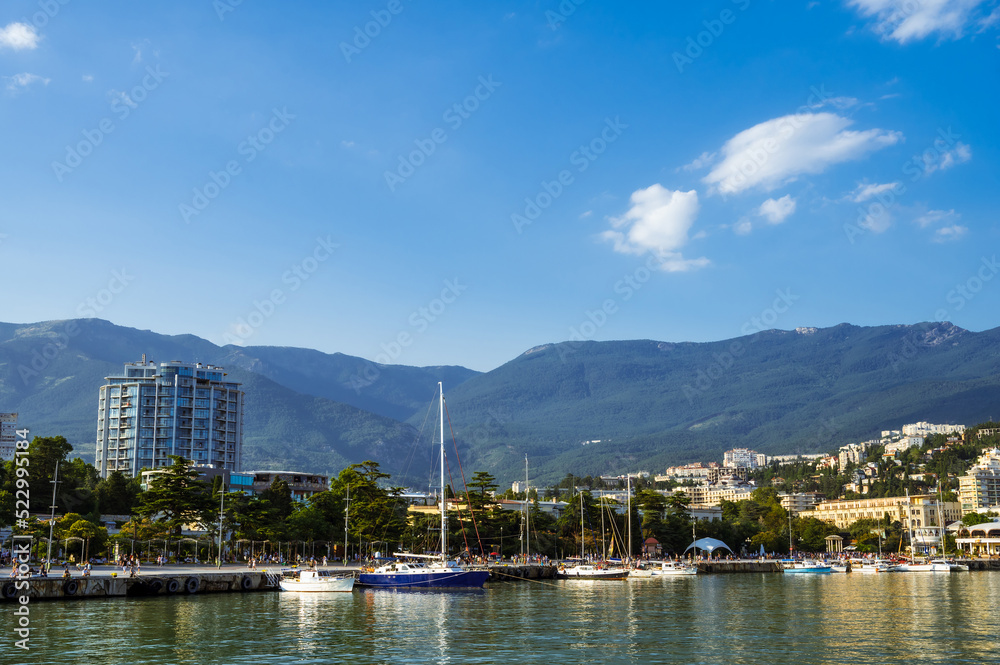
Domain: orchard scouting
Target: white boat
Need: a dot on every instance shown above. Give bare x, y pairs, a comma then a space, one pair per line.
438, 571
315, 580
663, 569
805, 566
590, 571
874, 566
839, 567
932, 566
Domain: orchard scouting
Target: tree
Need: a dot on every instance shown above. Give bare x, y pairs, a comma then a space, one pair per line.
485, 486
117, 494
176, 497
378, 514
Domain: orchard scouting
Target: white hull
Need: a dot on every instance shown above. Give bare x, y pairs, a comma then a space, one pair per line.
312, 581
588, 572
663, 569
932, 567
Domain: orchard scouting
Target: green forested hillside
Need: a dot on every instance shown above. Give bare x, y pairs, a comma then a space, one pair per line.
588, 408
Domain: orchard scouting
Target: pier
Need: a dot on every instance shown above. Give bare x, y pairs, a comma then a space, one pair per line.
501, 572
111, 585
739, 566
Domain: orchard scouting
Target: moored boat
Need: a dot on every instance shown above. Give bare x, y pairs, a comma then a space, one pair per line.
434, 574
805, 566
932, 566
315, 581
590, 571
438, 571
663, 569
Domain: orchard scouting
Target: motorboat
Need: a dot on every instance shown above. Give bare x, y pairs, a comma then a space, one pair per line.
805, 566
592, 571
662, 569
932, 566
315, 580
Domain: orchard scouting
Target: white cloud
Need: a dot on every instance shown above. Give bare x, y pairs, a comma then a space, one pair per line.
937, 217
700, 162
908, 20
947, 233
18, 82
962, 153
780, 150
88, 78
865, 191
743, 227
775, 211
877, 220
657, 222
18, 36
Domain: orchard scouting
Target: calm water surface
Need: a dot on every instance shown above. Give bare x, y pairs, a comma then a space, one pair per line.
764, 618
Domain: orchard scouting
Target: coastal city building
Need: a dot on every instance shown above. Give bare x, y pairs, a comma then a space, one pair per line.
302, 485
924, 430
8, 436
980, 486
697, 471
798, 502
149, 412
232, 481
915, 512
981, 540
743, 457
904, 443
713, 495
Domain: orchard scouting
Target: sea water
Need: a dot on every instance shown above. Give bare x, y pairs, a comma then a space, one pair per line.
724, 619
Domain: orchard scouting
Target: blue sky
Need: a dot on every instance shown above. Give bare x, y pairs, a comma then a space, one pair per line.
454, 183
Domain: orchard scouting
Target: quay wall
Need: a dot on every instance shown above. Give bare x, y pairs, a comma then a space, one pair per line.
151, 585
739, 567
511, 573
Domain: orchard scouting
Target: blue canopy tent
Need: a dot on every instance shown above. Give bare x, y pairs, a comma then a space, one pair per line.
708, 545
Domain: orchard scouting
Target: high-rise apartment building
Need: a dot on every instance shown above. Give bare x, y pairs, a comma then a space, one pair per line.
980, 487
8, 436
150, 412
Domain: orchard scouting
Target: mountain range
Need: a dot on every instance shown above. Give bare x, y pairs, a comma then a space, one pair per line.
586, 408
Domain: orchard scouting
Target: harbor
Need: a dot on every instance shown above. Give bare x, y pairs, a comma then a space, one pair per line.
187, 580
713, 618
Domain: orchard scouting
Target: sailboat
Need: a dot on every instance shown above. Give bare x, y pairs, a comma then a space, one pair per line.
803, 565
584, 570
931, 566
425, 571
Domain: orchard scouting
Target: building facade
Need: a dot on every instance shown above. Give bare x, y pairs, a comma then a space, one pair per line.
8, 436
915, 512
798, 502
980, 487
302, 485
713, 495
744, 457
150, 412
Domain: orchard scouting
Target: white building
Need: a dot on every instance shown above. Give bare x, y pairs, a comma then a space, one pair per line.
904, 443
8, 436
151, 411
980, 487
744, 457
924, 429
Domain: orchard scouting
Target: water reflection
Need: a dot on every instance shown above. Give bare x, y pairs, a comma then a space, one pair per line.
726, 619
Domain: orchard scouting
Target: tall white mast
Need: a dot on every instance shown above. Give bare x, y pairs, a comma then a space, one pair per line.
527, 527
444, 528
628, 511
